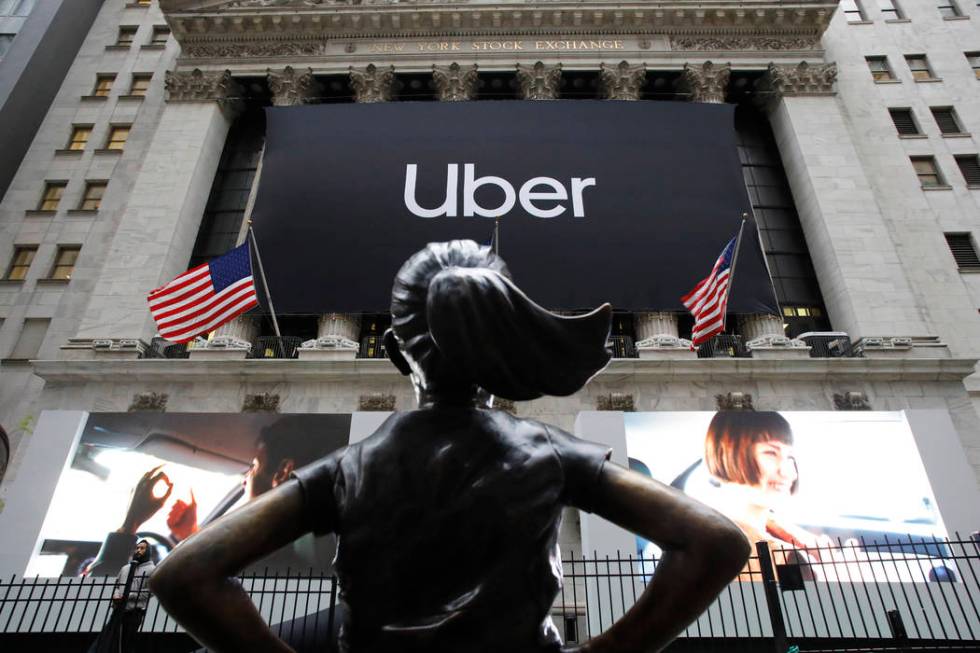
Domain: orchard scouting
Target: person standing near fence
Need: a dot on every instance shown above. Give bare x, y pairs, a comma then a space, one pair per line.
129, 600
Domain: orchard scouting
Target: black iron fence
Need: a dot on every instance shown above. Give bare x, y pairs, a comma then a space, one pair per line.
896, 594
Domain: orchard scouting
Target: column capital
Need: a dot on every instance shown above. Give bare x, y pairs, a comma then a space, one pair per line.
199, 86
538, 81
372, 84
622, 81
707, 82
802, 79
454, 82
290, 88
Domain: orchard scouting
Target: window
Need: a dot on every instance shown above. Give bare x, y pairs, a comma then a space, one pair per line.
946, 120
964, 253
127, 34
880, 70
948, 9
117, 137
79, 137
970, 167
103, 85
853, 12
53, 190
904, 122
928, 171
140, 84
92, 200
974, 60
890, 10
64, 262
23, 257
5, 41
919, 66
160, 35
30, 339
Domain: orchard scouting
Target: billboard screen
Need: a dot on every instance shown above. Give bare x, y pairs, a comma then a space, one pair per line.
845, 491
625, 202
163, 476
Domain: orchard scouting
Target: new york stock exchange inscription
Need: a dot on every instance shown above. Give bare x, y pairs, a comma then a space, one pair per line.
544, 45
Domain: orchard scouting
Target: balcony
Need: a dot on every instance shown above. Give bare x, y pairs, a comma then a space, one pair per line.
829, 344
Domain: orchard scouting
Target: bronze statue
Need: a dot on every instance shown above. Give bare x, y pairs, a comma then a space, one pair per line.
448, 515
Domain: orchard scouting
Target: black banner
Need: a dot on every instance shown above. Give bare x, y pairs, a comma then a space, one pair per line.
625, 202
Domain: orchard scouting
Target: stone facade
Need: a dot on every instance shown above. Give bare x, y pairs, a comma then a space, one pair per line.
875, 237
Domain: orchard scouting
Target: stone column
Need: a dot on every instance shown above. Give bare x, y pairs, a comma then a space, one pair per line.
865, 288
539, 82
372, 84
454, 82
230, 341
337, 338
290, 88
705, 83
156, 234
656, 333
622, 81
765, 337
337, 333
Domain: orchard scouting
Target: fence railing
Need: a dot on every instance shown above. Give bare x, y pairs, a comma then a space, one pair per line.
899, 594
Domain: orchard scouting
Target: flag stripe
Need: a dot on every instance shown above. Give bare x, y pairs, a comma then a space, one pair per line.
181, 281
182, 296
213, 304
191, 303
708, 300
205, 316
168, 316
202, 327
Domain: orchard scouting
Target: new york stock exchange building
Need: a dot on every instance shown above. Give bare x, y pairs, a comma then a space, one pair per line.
608, 151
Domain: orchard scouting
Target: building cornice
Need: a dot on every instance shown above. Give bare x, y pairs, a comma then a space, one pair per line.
163, 371
209, 30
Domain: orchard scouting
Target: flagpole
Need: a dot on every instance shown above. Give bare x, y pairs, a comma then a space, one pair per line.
731, 272
265, 284
496, 236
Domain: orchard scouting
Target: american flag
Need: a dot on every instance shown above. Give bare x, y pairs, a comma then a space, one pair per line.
205, 297
709, 299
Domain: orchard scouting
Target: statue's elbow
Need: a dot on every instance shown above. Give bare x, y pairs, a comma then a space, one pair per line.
167, 582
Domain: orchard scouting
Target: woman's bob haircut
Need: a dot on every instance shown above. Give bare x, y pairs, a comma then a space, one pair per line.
728, 446
461, 324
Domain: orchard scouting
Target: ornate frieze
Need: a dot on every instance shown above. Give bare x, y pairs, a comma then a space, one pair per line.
736, 43
707, 82
149, 401
783, 80
622, 81
290, 88
851, 401
199, 86
454, 82
734, 401
616, 401
539, 82
376, 402
263, 403
372, 84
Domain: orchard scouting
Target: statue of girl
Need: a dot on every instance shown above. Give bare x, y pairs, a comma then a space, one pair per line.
447, 516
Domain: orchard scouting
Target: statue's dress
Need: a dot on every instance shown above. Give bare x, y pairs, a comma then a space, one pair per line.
448, 523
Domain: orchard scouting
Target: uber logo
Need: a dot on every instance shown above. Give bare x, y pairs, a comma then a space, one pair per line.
536, 189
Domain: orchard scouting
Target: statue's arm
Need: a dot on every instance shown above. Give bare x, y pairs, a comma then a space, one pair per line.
703, 551
196, 583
